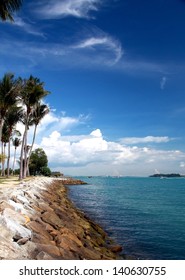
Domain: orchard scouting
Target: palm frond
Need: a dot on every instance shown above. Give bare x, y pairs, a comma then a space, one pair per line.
8, 7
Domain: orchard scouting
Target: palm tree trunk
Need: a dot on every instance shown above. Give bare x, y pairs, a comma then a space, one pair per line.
13, 165
21, 158
33, 141
1, 127
3, 163
8, 160
25, 153
2, 158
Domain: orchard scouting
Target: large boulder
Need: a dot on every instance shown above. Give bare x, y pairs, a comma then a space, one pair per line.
14, 223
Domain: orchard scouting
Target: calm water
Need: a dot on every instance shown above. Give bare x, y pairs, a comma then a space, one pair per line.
145, 215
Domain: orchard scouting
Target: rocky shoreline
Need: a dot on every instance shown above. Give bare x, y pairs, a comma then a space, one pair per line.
39, 222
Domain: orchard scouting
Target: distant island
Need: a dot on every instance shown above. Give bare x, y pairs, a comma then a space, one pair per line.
172, 175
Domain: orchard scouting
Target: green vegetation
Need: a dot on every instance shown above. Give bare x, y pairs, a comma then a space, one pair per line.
39, 163
56, 174
21, 101
171, 175
16, 94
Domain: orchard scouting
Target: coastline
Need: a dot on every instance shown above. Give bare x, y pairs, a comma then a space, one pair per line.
39, 222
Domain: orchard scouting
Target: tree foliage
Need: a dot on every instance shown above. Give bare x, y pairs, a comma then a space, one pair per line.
21, 100
39, 163
8, 7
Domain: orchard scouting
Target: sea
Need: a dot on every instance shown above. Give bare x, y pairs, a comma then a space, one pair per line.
144, 215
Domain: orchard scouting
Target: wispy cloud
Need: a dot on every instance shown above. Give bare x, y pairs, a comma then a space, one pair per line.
147, 139
100, 51
61, 122
163, 82
91, 42
27, 27
102, 44
76, 8
96, 51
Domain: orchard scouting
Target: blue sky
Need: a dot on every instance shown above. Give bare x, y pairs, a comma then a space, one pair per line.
115, 70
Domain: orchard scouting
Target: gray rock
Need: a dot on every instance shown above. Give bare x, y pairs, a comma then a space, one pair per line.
14, 224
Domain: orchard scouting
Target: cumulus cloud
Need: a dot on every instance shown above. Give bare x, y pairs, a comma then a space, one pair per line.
91, 153
76, 8
96, 133
147, 139
82, 151
79, 152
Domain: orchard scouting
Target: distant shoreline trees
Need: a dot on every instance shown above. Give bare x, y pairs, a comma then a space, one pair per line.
39, 163
21, 100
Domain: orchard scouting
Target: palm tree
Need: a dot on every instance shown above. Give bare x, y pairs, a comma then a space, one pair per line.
8, 7
32, 91
16, 143
38, 113
9, 91
13, 116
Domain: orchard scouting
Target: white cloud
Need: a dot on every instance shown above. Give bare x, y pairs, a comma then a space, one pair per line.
99, 51
163, 82
54, 122
27, 27
88, 43
60, 122
76, 8
96, 133
140, 67
77, 153
147, 139
108, 44
182, 164
85, 154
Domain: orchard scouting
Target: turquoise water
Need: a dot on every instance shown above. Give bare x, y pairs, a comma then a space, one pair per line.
145, 215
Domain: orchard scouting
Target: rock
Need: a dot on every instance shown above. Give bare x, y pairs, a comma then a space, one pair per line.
44, 256
22, 241
22, 199
30, 249
115, 248
69, 255
16, 206
5, 233
39, 239
67, 243
44, 206
38, 221
49, 228
9, 214
13, 221
70, 235
39, 229
49, 249
8, 250
52, 219
5, 204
